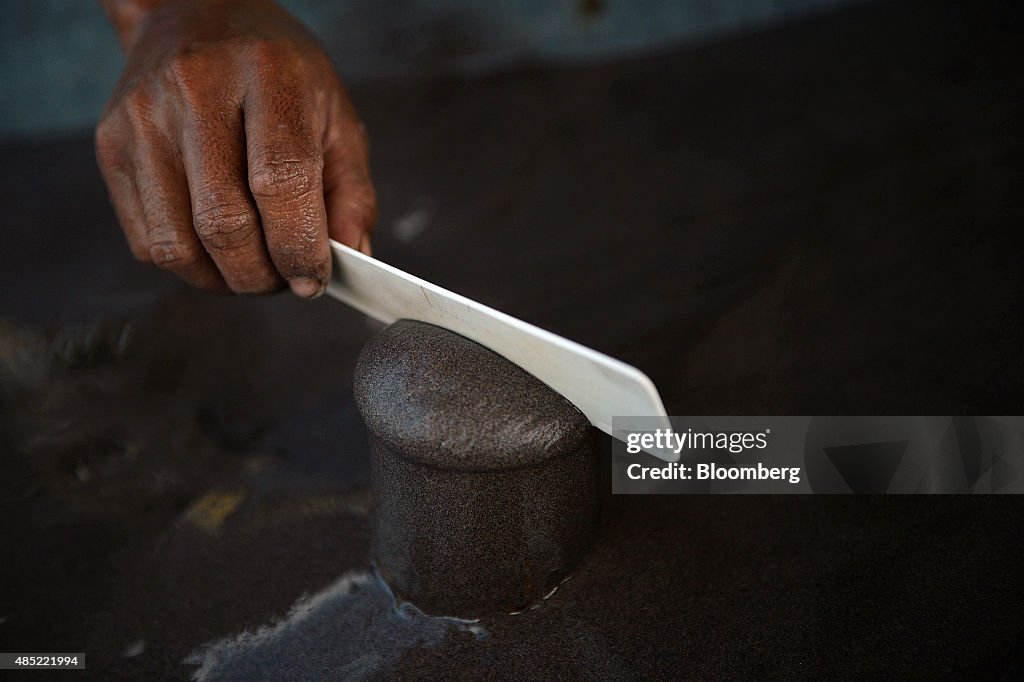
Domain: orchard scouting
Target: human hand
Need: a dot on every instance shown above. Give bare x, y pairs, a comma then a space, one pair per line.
230, 148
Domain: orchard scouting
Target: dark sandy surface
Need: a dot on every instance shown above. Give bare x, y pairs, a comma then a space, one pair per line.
425, 391
820, 219
484, 478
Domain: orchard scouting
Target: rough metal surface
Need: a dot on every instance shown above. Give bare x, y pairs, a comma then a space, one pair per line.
485, 478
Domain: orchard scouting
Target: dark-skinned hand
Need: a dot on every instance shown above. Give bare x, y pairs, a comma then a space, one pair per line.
230, 148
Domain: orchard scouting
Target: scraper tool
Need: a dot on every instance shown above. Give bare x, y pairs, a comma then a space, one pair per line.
599, 385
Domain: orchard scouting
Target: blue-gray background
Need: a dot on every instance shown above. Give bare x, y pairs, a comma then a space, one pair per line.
59, 58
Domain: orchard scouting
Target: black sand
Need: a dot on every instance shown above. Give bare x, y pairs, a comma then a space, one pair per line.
484, 478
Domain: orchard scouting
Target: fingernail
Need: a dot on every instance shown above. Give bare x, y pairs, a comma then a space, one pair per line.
364, 245
305, 287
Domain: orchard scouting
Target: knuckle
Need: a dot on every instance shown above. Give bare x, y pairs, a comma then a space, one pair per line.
173, 254
139, 105
111, 163
225, 226
105, 137
294, 252
107, 144
280, 54
273, 177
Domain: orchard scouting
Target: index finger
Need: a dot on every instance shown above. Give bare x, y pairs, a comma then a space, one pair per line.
283, 132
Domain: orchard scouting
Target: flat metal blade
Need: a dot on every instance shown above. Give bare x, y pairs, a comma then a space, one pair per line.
599, 385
